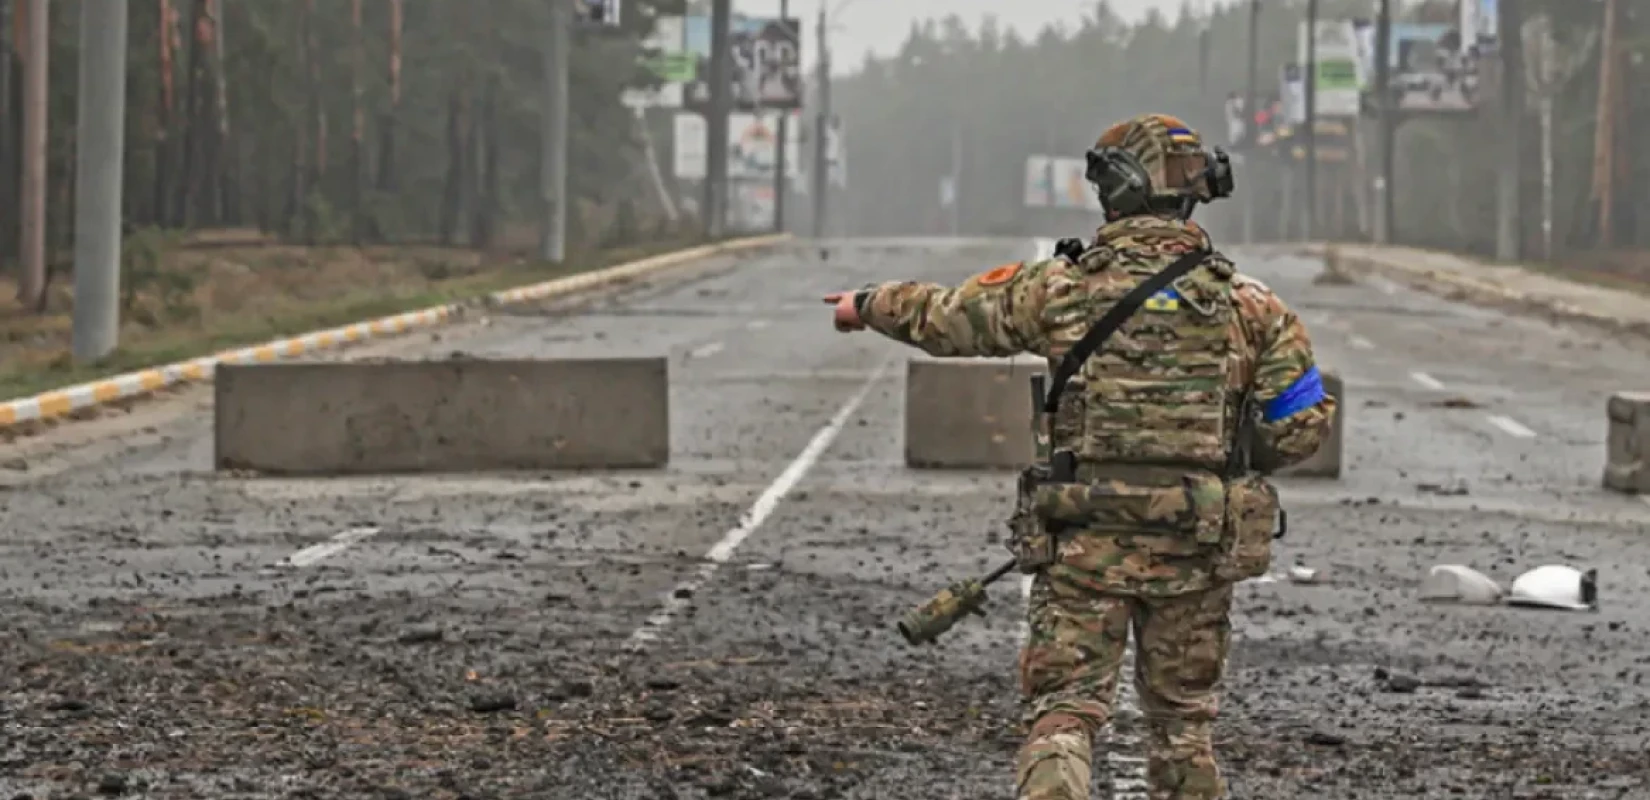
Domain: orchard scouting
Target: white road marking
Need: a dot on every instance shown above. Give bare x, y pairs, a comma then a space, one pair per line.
1128, 773
682, 595
1511, 426
1362, 344
1645, 498
757, 324
1427, 381
705, 350
329, 548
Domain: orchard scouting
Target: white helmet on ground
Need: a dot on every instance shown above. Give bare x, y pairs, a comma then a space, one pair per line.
1554, 586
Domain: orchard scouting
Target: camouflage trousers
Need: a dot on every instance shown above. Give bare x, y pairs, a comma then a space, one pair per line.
1068, 674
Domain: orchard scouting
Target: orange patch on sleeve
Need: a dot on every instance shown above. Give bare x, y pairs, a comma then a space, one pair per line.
1000, 275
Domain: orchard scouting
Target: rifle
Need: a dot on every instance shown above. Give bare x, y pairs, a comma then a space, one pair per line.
930, 620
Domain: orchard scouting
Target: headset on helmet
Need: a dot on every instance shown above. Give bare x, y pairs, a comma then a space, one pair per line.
1125, 186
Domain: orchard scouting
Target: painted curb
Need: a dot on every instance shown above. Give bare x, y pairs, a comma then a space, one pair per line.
62, 402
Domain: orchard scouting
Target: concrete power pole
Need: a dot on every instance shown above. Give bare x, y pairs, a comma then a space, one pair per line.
716, 122
1251, 130
1385, 125
1311, 84
780, 183
822, 123
553, 166
1510, 36
31, 286
100, 143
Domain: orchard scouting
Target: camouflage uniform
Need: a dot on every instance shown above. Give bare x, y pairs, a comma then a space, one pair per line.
1163, 531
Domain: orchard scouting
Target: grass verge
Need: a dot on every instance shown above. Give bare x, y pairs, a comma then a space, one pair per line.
38, 359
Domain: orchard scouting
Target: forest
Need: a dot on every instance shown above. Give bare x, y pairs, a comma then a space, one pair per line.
1002, 97
308, 162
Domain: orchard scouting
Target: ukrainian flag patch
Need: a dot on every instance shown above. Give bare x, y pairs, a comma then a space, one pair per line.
1165, 300
1182, 136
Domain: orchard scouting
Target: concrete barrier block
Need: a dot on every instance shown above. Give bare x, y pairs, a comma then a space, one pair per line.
1627, 454
1326, 463
459, 415
969, 413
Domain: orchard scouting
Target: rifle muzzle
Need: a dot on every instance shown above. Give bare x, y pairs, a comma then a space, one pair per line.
932, 619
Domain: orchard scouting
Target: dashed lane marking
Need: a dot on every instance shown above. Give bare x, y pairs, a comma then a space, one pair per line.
329, 548
752, 519
705, 350
1427, 381
756, 324
1362, 344
1511, 426
1645, 498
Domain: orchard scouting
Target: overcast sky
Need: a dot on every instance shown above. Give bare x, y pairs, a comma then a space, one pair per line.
880, 26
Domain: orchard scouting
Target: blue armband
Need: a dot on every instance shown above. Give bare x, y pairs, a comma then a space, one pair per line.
1304, 393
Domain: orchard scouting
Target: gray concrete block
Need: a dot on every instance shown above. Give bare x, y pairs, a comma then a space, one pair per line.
1627, 448
969, 413
1326, 463
459, 415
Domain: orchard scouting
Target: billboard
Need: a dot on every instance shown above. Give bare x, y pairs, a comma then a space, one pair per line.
1430, 71
752, 146
1337, 87
667, 62
1059, 183
1433, 67
766, 63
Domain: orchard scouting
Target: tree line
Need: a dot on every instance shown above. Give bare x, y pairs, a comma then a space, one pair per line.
338, 120
1003, 97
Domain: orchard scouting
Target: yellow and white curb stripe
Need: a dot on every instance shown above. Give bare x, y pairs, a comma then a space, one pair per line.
63, 402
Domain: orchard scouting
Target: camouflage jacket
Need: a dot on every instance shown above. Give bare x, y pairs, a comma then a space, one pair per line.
1044, 307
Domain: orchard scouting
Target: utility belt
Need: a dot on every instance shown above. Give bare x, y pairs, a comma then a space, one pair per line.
1229, 517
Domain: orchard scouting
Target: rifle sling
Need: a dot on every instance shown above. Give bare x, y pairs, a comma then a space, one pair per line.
1112, 320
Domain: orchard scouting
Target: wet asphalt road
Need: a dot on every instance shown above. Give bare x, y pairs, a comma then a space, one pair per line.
722, 628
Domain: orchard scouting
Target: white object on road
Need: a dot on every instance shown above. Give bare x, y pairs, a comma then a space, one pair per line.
1427, 381
1454, 583
1512, 427
1556, 586
1301, 573
329, 548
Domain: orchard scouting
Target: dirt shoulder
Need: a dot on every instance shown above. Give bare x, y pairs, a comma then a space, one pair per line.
182, 300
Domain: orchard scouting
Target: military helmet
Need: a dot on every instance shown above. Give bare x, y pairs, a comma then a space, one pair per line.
1153, 162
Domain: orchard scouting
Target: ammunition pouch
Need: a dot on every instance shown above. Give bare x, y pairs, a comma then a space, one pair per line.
1252, 510
1031, 539
1194, 510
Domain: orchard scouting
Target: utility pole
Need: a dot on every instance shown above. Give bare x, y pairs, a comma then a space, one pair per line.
721, 102
1251, 130
1311, 81
822, 122
1604, 137
100, 142
553, 163
780, 182
31, 286
8, 187
1510, 36
1385, 125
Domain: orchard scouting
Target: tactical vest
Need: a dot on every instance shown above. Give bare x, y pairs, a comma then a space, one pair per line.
1156, 393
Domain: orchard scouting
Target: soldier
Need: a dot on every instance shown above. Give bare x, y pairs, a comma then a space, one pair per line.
1171, 424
